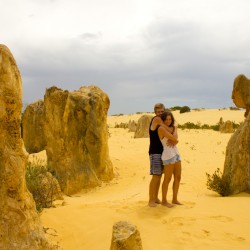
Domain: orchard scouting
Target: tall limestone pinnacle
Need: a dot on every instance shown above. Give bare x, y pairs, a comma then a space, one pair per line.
20, 227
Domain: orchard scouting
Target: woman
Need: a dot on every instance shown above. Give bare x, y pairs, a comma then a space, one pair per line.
171, 160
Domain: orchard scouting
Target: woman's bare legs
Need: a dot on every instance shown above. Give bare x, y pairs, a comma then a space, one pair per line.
176, 183
168, 171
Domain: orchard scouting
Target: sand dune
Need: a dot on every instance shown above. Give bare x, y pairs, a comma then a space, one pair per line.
205, 221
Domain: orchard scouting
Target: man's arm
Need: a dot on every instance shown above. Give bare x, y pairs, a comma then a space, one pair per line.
158, 122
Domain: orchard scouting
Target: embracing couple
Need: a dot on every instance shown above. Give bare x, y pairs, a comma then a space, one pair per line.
164, 157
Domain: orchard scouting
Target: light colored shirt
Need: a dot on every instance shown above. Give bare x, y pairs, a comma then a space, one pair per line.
168, 152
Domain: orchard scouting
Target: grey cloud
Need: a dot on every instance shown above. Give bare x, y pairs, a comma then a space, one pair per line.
177, 64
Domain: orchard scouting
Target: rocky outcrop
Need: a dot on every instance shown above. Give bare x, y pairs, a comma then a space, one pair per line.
125, 236
241, 93
237, 161
226, 127
20, 227
132, 126
75, 136
33, 127
75, 127
142, 128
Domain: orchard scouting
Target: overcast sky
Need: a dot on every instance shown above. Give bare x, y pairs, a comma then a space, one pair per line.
178, 52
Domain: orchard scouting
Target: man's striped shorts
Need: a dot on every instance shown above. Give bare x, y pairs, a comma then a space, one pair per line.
156, 166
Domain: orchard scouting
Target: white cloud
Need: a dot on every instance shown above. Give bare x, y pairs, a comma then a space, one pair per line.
139, 52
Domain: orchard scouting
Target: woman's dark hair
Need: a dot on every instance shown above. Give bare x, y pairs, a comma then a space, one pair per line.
164, 117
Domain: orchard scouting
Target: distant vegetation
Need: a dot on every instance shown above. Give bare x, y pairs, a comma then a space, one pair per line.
216, 127
182, 109
185, 109
234, 108
117, 115
187, 125
191, 125
175, 108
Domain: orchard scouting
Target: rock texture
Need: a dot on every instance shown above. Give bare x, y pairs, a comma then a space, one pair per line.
20, 227
237, 161
240, 94
226, 127
74, 126
33, 124
132, 126
142, 128
125, 236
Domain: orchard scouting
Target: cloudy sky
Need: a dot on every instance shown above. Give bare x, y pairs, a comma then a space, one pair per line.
178, 52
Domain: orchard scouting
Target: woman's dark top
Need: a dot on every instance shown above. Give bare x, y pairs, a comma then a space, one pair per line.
155, 145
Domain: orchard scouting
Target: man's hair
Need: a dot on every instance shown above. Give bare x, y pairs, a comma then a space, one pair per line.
159, 106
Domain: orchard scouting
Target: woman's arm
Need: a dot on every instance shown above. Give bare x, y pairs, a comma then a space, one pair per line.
175, 134
162, 132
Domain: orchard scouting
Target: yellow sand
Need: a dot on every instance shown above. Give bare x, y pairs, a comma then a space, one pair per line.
205, 221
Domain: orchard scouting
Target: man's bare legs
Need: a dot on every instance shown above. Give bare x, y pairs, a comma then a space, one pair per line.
157, 200
168, 171
176, 183
153, 190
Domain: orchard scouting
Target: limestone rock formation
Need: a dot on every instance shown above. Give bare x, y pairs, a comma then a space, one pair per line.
125, 236
72, 127
132, 126
33, 127
142, 128
237, 161
226, 127
20, 227
75, 127
240, 94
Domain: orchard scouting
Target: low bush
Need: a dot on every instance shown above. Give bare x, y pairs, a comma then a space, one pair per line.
185, 109
216, 182
35, 172
191, 125
175, 108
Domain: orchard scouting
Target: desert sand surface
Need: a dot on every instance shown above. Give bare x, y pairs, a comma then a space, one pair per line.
204, 221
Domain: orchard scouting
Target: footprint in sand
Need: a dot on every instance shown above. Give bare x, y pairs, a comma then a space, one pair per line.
129, 208
206, 232
221, 218
186, 236
188, 204
234, 237
179, 221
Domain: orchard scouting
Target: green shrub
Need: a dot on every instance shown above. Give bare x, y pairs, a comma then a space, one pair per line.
189, 125
218, 183
234, 108
215, 127
236, 125
117, 115
34, 174
175, 108
184, 109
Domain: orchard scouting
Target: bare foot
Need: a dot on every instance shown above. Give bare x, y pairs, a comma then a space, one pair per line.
166, 204
152, 204
176, 202
158, 201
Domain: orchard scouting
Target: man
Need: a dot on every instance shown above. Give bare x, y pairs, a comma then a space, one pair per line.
155, 151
